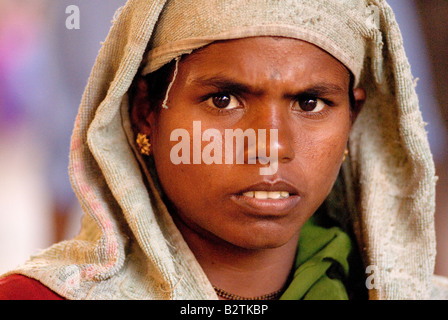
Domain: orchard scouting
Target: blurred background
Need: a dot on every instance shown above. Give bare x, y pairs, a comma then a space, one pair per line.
45, 61
44, 67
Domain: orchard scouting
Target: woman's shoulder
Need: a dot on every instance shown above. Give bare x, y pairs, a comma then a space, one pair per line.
19, 287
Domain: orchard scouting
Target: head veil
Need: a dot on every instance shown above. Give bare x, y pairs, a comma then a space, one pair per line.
129, 248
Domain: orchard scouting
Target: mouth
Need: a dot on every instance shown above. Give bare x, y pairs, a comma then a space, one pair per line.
268, 198
263, 195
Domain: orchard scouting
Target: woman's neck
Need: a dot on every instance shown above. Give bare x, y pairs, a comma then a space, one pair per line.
239, 271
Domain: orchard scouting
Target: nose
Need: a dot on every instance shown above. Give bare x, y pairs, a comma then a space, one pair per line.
275, 133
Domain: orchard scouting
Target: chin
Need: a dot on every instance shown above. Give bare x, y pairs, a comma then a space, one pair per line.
258, 239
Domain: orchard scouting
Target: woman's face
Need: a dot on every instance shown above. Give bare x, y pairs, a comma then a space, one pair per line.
282, 85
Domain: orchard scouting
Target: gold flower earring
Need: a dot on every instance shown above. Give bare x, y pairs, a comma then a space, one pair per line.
346, 152
143, 144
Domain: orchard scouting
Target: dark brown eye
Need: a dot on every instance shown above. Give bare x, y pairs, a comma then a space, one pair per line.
310, 104
224, 101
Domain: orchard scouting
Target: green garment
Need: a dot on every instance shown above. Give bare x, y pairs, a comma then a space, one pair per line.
321, 264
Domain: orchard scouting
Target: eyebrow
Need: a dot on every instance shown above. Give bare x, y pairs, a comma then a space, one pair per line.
321, 89
223, 83
226, 84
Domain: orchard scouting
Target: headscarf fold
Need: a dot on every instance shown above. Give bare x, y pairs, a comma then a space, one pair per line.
129, 247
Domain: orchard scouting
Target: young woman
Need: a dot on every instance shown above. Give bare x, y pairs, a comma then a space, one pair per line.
207, 156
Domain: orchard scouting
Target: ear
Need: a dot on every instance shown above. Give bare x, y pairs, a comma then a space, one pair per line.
359, 97
140, 110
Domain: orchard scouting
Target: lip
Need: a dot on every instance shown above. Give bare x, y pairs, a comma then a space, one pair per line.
268, 207
277, 185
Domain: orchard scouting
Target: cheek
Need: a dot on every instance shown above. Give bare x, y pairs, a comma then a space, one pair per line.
185, 184
321, 157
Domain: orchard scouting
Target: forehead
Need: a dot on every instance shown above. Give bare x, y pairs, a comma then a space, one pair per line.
261, 58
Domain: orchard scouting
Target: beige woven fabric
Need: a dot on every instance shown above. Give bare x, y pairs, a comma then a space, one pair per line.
129, 248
